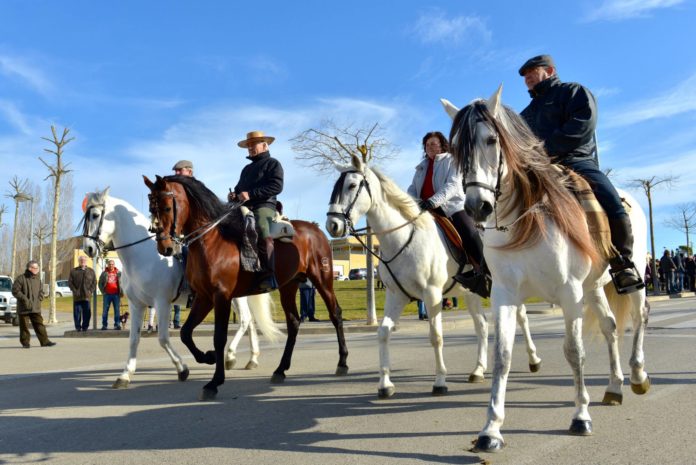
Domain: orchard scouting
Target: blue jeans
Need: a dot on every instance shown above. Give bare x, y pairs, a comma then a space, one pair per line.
82, 312
109, 299
307, 302
422, 313
177, 314
603, 189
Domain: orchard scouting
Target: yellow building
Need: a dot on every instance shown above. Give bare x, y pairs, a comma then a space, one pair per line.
348, 253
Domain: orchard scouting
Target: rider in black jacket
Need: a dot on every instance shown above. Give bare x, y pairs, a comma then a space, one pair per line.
564, 116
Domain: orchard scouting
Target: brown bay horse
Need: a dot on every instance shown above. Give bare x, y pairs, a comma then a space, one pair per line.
183, 205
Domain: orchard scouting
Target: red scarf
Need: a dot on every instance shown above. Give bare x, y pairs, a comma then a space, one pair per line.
427, 190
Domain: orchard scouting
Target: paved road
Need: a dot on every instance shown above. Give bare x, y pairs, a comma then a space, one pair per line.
57, 406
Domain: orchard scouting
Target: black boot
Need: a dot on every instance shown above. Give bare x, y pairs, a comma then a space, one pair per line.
623, 272
477, 280
268, 281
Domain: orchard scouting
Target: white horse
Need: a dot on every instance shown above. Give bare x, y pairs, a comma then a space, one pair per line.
414, 265
537, 243
151, 280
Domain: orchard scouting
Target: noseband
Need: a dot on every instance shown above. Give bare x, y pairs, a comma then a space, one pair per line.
85, 226
155, 212
336, 195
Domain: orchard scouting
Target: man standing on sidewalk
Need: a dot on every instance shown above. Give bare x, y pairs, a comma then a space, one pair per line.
82, 283
110, 287
28, 291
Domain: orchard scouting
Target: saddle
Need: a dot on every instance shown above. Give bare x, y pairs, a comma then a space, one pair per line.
281, 227
597, 221
452, 237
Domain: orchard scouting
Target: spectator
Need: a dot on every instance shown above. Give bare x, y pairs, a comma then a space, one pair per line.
667, 268
82, 283
177, 316
679, 271
691, 272
422, 312
110, 287
307, 293
28, 291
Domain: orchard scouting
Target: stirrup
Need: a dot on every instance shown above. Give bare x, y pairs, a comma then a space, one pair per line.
616, 270
475, 281
268, 284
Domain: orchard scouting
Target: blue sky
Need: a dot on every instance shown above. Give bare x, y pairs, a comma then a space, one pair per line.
143, 84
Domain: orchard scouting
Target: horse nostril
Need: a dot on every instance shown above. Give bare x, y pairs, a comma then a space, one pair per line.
486, 209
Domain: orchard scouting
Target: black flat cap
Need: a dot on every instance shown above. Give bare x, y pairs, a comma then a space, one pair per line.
539, 60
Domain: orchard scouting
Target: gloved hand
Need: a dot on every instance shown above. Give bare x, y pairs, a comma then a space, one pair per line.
426, 204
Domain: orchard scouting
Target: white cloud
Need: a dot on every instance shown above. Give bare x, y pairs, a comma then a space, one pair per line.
15, 117
616, 10
680, 99
606, 91
28, 74
433, 26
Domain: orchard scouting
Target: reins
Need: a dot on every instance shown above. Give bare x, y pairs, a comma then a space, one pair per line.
101, 245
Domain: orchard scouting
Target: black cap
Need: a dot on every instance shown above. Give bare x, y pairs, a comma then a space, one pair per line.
539, 60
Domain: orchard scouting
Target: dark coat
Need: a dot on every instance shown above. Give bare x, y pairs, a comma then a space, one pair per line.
564, 116
666, 264
262, 179
28, 290
82, 283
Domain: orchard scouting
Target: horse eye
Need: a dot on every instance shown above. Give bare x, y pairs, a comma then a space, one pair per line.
168, 209
95, 216
352, 185
491, 140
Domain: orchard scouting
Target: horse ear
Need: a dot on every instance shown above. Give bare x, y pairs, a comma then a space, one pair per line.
356, 162
148, 183
493, 103
105, 193
449, 107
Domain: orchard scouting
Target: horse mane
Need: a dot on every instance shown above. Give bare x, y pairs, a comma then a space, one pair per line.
204, 201
400, 200
530, 174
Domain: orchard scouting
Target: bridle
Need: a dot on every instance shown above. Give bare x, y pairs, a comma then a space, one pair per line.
102, 247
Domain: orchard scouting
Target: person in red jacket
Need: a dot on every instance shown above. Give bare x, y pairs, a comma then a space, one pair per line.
110, 287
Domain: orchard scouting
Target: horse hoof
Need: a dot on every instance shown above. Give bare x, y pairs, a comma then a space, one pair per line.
207, 395
184, 374
581, 427
120, 383
612, 398
439, 390
230, 363
251, 365
641, 388
277, 378
488, 444
385, 393
341, 371
475, 379
534, 367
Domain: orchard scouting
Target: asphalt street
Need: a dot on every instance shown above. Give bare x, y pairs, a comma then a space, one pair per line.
57, 405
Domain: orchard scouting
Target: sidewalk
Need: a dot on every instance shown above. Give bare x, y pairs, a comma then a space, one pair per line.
451, 319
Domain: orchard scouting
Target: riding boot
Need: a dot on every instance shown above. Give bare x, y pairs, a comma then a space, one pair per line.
477, 280
266, 255
622, 270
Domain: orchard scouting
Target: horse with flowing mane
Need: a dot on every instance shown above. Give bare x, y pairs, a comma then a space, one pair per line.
151, 280
414, 265
537, 243
182, 205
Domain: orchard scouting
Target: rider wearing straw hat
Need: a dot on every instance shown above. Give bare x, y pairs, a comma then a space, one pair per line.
259, 184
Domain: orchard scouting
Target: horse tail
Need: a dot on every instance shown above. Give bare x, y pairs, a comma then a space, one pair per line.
621, 305
262, 308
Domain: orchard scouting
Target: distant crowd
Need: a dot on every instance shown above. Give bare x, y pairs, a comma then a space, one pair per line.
676, 272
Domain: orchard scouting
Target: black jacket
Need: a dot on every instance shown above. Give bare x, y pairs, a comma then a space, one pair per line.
564, 116
28, 290
262, 179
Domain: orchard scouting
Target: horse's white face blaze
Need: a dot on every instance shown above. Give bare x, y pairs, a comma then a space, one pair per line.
95, 209
335, 223
483, 169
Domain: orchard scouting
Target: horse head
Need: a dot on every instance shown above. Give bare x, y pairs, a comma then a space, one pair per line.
97, 228
168, 206
351, 197
476, 148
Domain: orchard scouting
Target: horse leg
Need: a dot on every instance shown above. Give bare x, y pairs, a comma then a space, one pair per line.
200, 308
164, 313
254, 344
581, 424
596, 300
336, 316
136, 317
523, 323
432, 298
292, 320
223, 306
393, 306
473, 304
504, 307
640, 381
231, 352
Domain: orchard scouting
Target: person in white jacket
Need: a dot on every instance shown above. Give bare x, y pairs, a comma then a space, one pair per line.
437, 187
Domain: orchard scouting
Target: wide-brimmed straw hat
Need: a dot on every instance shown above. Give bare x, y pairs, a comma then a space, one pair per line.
255, 136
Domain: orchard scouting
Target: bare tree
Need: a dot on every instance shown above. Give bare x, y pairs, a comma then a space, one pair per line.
18, 193
684, 220
329, 146
56, 172
648, 185
41, 234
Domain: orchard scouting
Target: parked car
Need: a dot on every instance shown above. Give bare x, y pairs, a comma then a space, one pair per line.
62, 289
357, 273
8, 303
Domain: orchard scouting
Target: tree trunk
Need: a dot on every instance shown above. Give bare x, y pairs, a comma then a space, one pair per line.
653, 266
53, 264
371, 311
13, 265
